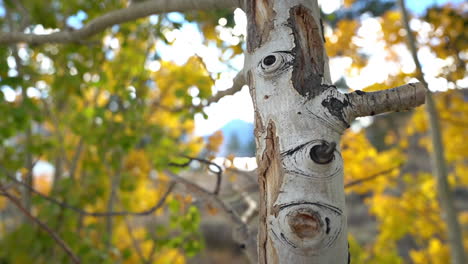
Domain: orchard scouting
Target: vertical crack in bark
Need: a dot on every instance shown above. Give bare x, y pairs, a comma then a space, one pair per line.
270, 177
261, 21
309, 52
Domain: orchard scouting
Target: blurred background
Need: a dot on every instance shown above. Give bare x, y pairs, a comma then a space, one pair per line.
93, 132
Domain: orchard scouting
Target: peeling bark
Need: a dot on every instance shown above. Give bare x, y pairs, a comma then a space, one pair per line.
299, 120
263, 14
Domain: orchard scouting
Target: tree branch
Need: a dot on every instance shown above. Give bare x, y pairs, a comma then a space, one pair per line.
42, 225
96, 214
439, 165
218, 171
120, 16
242, 234
238, 82
135, 242
376, 175
400, 98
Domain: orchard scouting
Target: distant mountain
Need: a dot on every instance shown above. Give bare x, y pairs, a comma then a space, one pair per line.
238, 139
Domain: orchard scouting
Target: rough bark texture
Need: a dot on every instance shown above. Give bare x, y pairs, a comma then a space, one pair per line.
300, 117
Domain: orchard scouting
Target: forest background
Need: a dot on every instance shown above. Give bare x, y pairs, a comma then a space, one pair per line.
95, 132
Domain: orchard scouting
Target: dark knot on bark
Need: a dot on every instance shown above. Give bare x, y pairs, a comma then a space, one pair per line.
323, 153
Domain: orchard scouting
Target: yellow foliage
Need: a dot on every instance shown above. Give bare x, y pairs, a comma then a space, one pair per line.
453, 111
3, 202
436, 252
348, 3
173, 82
392, 29
137, 163
211, 209
215, 141
340, 42
42, 184
448, 28
362, 161
414, 212
144, 197
170, 256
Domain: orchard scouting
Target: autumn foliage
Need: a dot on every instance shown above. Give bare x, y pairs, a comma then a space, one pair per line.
110, 116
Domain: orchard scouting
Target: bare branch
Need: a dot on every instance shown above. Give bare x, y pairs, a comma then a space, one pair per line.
218, 171
26, 19
242, 234
455, 122
378, 174
123, 15
42, 225
135, 242
238, 82
96, 214
400, 98
76, 157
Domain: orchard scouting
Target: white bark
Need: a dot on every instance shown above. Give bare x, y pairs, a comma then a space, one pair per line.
300, 118
130, 13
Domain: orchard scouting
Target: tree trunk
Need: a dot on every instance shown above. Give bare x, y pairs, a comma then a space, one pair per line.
299, 120
439, 166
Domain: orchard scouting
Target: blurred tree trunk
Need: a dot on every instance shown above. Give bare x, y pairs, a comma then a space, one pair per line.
439, 167
299, 119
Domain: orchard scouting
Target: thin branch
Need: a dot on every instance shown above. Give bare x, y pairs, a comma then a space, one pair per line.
242, 233
455, 122
76, 158
130, 13
203, 64
114, 182
238, 82
135, 243
41, 224
397, 99
97, 214
29, 163
26, 19
372, 177
218, 171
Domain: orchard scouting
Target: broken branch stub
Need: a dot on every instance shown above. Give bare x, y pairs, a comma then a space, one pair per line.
299, 120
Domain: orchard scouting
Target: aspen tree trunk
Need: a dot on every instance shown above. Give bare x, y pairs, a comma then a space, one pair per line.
439, 166
299, 120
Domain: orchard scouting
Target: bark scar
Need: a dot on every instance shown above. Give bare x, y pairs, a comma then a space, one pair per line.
309, 52
336, 108
270, 177
261, 21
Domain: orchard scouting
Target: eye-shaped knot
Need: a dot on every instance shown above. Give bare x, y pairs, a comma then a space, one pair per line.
323, 153
276, 62
316, 159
